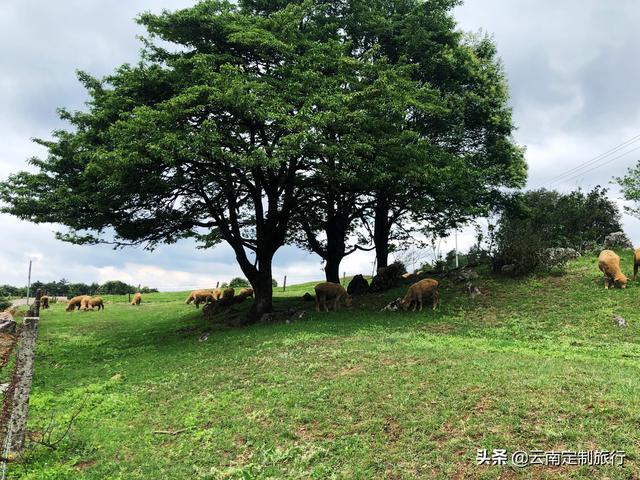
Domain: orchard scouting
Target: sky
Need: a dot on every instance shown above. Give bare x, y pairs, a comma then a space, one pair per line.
572, 70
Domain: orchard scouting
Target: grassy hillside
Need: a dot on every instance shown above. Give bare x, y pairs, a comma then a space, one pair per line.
533, 364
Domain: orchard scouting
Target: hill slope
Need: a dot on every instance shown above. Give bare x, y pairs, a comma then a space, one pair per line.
535, 363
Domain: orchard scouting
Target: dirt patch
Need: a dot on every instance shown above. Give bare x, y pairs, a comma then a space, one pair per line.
457, 427
84, 465
439, 328
7, 342
351, 370
392, 429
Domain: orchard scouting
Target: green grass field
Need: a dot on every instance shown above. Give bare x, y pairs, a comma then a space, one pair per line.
535, 363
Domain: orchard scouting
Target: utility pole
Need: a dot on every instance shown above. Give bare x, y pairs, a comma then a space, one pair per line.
457, 262
29, 282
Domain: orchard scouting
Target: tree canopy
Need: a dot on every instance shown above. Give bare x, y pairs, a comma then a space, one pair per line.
265, 122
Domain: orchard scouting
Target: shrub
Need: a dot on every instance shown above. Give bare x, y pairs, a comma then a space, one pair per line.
239, 282
115, 287
617, 240
4, 304
557, 258
539, 220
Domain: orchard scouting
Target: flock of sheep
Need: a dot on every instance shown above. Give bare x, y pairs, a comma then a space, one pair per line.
87, 302
217, 295
327, 295
335, 294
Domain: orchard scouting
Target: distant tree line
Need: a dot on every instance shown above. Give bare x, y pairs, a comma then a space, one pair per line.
64, 288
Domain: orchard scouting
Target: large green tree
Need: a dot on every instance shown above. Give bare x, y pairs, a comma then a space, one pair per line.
452, 157
206, 137
434, 137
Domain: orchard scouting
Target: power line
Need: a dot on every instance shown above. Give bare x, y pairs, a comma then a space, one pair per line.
596, 167
594, 160
588, 163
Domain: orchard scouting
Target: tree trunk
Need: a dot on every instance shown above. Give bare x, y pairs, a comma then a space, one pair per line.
381, 231
259, 276
336, 231
332, 269
263, 292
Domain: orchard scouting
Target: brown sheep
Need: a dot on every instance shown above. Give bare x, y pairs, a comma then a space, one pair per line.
426, 287
636, 263
609, 264
77, 302
84, 303
137, 299
246, 293
217, 293
243, 295
200, 296
96, 302
333, 292
228, 293
44, 302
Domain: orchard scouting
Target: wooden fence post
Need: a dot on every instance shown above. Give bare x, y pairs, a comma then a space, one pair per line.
17, 400
284, 284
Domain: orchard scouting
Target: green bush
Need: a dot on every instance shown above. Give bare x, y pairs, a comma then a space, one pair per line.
239, 282
4, 304
116, 287
542, 219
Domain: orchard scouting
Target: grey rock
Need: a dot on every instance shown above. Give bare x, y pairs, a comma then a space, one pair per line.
617, 240
619, 321
394, 306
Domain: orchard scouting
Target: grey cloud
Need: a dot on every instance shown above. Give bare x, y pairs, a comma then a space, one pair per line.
571, 66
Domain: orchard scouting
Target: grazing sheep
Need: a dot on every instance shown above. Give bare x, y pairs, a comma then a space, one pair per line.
426, 287
44, 302
96, 302
77, 302
636, 263
244, 294
200, 296
333, 292
217, 293
609, 264
137, 299
84, 304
